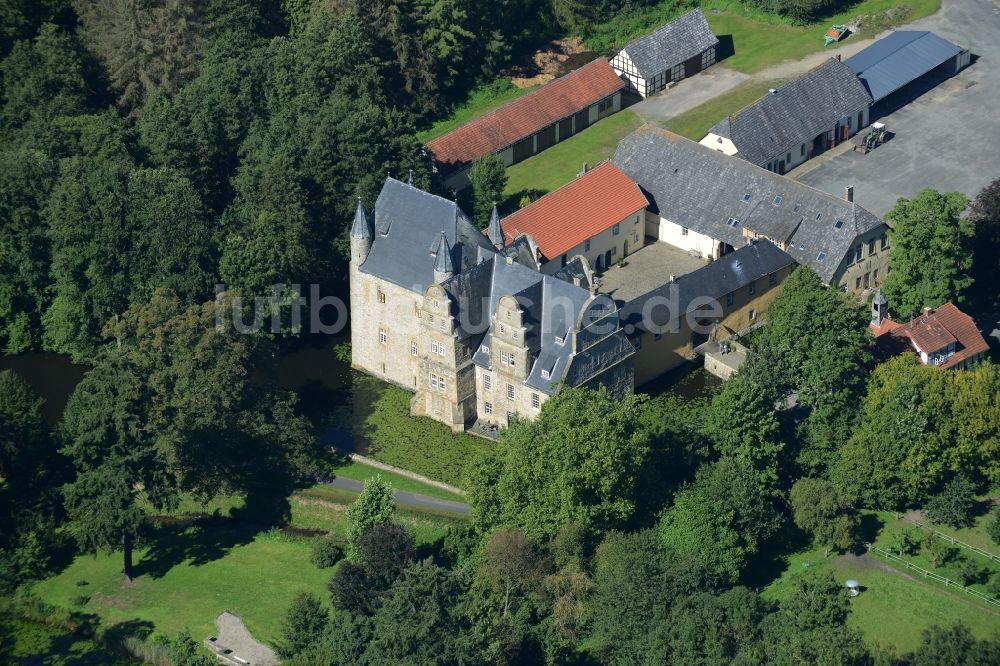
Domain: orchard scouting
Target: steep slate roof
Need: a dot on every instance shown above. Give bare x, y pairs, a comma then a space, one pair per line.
895, 60
409, 224
795, 113
526, 115
933, 331
722, 276
702, 189
671, 44
552, 308
581, 209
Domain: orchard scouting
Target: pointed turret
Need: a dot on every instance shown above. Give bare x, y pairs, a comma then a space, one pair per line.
495, 232
444, 267
362, 235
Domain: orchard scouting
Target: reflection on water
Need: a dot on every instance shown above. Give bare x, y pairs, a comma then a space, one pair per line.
332, 395
52, 376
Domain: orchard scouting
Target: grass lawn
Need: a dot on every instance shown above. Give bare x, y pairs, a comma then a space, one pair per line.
481, 101
361, 472
895, 606
385, 431
190, 576
760, 40
696, 122
556, 166
36, 643
191, 572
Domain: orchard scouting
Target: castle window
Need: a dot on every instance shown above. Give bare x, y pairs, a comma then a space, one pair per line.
437, 347
729, 298
488, 408
772, 279
381, 336
510, 360
885, 241
615, 230
381, 296
413, 347
546, 374
752, 289
434, 380
488, 382
416, 310
684, 231
535, 402
504, 358
871, 247
503, 329
485, 349
586, 245
510, 391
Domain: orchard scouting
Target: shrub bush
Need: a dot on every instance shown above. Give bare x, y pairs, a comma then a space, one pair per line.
326, 552
954, 504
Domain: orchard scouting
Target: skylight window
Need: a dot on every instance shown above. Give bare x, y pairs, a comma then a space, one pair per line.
798, 204
839, 224
777, 200
746, 197
819, 215
821, 256
733, 222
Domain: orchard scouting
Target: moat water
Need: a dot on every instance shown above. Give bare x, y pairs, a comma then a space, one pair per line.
331, 394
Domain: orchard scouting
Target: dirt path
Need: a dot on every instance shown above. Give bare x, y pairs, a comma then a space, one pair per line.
233, 635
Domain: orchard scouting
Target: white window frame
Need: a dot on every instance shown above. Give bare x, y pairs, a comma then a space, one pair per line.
488, 408
510, 391
382, 337
488, 382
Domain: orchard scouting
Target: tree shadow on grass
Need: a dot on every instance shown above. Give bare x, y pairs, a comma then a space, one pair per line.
198, 539
871, 525
513, 202
772, 560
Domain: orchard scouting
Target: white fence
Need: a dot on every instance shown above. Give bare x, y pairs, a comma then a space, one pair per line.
872, 548
952, 540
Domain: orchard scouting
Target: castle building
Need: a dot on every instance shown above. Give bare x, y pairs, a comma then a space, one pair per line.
468, 322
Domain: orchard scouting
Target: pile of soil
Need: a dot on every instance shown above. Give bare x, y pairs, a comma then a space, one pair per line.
556, 58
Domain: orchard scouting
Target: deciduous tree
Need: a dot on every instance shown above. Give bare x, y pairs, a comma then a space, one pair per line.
580, 461
488, 178
931, 251
118, 466
821, 510
374, 506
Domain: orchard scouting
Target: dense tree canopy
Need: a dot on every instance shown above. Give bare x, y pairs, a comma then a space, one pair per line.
582, 460
931, 251
919, 428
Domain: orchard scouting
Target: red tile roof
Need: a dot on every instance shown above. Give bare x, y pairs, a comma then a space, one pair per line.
936, 329
526, 115
561, 220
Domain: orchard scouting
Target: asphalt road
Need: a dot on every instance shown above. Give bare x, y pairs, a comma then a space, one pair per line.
947, 137
411, 500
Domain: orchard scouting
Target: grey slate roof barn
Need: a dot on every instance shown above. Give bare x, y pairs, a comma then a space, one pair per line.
798, 117
670, 53
734, 201
901, 58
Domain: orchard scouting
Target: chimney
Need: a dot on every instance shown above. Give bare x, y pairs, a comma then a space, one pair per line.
838, 57
928, 311
673, 278
849, 193
772, 91
584, 170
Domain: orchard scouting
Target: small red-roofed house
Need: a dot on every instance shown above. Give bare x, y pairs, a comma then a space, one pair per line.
944, 337
600, 215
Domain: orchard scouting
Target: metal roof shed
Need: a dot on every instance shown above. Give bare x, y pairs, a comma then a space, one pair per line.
902, 57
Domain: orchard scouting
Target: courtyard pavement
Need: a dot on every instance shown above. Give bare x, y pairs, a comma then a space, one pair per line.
646, 269
948, 138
